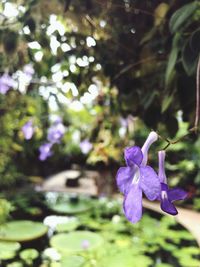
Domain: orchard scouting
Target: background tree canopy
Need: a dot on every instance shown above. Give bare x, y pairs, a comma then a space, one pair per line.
111, 69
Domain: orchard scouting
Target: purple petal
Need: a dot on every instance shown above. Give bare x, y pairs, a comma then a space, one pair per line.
133, 204
124, 178
164, 187
176, 194
133, 155
85, 146
56, 132
149, 182
45, 151
28, 130
168, 207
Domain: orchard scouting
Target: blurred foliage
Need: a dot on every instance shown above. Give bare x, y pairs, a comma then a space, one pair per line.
111, 69
5, 209
156, 241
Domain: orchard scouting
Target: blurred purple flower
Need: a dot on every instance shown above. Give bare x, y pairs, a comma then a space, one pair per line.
136, 178
28, 71
28, 130
167, 196
123, 122
6, 82
56, 132
85, 146
85, 244
45, 151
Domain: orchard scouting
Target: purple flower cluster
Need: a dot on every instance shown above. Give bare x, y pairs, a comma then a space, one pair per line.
137, 178
45, 151
28, 130
6, 82
54, 135
85, 146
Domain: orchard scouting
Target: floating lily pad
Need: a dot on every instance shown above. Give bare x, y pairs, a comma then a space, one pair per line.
29, 253
22, 231
15, 264
71, 208
75, 261
9, 246
68, 204
7, 255
68, 226
61, 223
8, 249
76, 241
126, 258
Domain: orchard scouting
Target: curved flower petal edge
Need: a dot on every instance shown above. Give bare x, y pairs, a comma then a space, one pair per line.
136, 177
167, 195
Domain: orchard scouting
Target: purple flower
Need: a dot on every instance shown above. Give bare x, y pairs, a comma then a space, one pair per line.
45, 151
167, 196
28, 130
56, 132
6, 82
85, 244
28, 71
85, 146
136, 178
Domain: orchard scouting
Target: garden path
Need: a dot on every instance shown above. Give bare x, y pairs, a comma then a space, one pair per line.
188, 218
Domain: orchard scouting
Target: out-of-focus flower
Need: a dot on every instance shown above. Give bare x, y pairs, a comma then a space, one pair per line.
56, 132
28, 130
136, 178
85, 146
45, 151
28, 71
6, 82
168, 195
85, 244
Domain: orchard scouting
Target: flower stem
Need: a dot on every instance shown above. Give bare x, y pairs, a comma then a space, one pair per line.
197, 97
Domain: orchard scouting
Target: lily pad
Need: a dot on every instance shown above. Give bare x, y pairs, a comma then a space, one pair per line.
69, 204
15, 264
75, 261
29, 253
7, 255
71, 208
22, 231
69, 226
76, 241
8, 249
11, 246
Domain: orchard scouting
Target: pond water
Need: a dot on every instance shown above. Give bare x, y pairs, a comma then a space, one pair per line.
61, 230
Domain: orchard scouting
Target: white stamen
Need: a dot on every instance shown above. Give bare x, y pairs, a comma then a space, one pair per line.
164, 195
136, 176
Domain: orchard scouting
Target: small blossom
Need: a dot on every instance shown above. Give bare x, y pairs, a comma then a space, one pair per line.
85, 146
45, 151
167, 195
85, 244
6, 82
136, 178
56, 132
28, 71
28, 130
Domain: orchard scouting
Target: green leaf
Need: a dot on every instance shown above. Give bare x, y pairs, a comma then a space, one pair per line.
189, 59
181, 15
172, 58
166, 102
